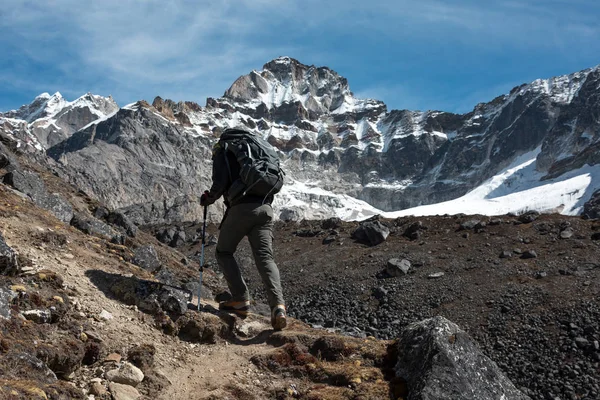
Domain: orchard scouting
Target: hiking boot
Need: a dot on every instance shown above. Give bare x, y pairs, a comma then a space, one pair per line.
239, 308
278, 317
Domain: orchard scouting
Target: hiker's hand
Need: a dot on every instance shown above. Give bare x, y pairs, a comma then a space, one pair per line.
204, 199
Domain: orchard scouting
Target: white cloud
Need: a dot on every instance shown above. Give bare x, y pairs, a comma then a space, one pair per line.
198, 48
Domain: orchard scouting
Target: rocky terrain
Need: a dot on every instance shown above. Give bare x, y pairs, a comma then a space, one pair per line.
99, 244
526, 287
93, 307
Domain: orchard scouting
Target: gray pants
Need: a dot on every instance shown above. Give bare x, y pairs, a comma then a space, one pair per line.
255, 221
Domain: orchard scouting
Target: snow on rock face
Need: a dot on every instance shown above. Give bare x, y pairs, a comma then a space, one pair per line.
52, 119
319, 90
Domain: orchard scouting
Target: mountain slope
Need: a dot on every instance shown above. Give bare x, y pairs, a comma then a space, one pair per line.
344, 156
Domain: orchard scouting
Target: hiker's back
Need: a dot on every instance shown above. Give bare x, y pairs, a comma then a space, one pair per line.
260, 173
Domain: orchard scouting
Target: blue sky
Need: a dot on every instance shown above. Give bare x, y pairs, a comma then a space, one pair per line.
418, 55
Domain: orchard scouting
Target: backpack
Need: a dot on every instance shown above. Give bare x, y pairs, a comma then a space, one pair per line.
260, 172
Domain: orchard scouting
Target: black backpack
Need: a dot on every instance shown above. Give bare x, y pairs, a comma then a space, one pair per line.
260, 171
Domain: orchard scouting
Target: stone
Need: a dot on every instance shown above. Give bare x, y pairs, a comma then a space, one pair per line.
38, 316
371, 233
120, 220
436, 275
146, 258
123, 392
127, 374
591, 208
528, 217
566, 234
438, 360
529, 254
506, 254
105, 315
113, 357
93, 227
6, 298
397, 267
331, 223
97, 389
8, 259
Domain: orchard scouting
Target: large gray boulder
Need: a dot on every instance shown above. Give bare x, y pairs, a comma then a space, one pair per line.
439, 361
371, 233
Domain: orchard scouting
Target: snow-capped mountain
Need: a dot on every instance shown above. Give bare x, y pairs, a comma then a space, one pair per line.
48, 120
533, 148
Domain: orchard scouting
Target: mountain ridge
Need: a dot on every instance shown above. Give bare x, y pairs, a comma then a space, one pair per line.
386, 160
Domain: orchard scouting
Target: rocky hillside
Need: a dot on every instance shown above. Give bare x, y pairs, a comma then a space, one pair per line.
345, 156
91, 307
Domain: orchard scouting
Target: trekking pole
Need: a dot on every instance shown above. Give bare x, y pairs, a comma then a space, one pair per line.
202, 255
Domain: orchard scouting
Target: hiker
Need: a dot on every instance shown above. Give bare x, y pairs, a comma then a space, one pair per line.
249, 213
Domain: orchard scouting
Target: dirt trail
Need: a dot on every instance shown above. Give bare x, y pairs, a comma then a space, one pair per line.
181, 370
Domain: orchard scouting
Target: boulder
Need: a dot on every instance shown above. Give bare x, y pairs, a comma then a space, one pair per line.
371, 233
123, 392
397, 267
93, 227
120, 220
438, 360
127, 374
146, 258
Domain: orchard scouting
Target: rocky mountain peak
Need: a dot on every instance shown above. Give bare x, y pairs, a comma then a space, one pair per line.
292, 93
44, 105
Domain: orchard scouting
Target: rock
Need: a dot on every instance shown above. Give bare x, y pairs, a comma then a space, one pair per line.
38, 316
123, 392
329, 239
33, 186
436, 275
413, 232
528, 217
8, 259
440, 361
92, 226
331, 223
166, 235
595, 236
397, 267
147, 258
151, 297
98, 389
591, 209
28, 366
506, 254
93, 336
529, 254
371, 233
127, 374
179, 239
113, 357
470, 224
203, 327
120, 220
105, 315
6, 298
566, 234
